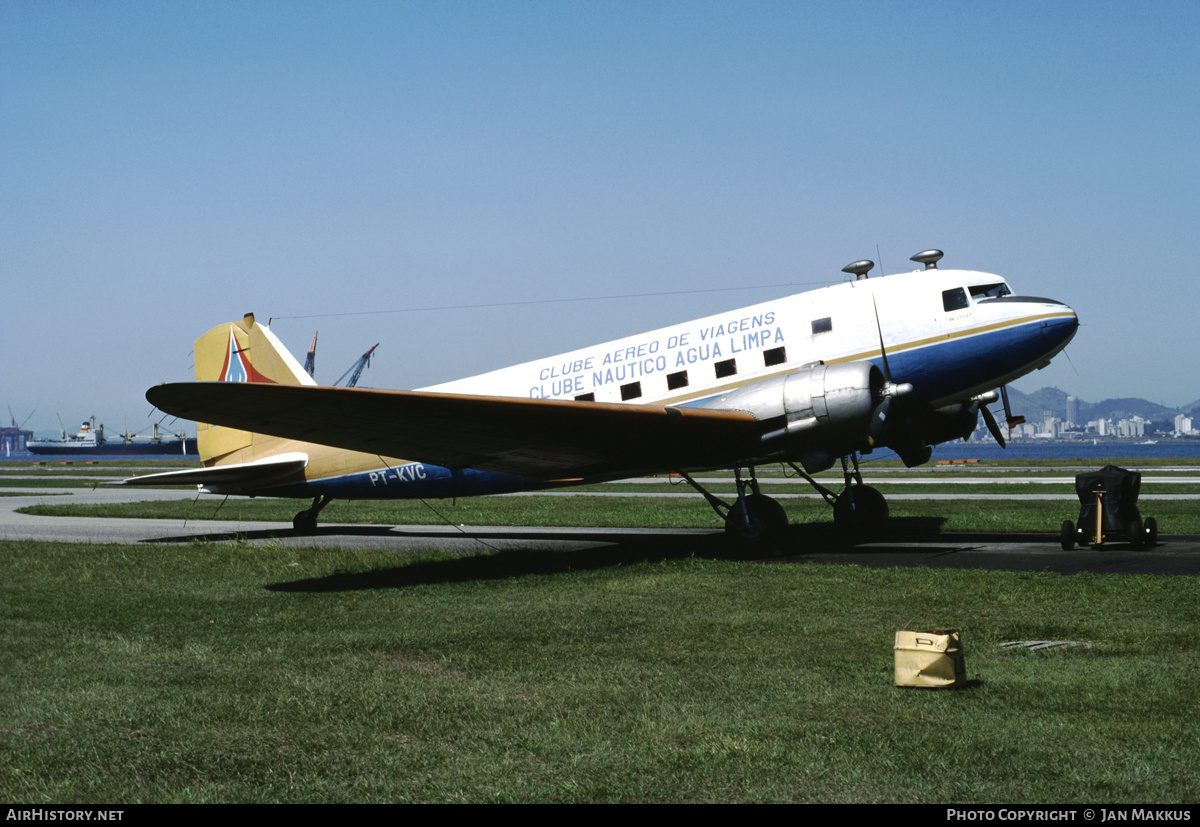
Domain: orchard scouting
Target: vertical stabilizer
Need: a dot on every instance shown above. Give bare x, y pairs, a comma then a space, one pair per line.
242, 351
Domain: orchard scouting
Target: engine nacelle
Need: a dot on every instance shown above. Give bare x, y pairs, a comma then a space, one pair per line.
819, 413
912, 438
945, 424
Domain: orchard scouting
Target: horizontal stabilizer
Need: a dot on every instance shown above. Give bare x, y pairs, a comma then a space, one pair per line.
258, 473
535, 438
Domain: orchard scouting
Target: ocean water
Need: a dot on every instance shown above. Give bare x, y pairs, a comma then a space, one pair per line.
1084, 450
975, 449
51, 459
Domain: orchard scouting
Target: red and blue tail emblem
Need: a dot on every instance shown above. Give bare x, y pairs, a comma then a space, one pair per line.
237, 367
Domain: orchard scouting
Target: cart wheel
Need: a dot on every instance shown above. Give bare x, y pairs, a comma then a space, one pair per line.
1067, 535
1151, 530
1133, 530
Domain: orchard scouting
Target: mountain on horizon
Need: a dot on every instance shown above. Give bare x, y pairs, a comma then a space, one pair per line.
1034, 407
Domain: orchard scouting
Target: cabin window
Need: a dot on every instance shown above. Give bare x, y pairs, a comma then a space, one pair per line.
586, 397
774, 356
955, 299
675, 381
631, 391
725, 368
822, 325
990, 291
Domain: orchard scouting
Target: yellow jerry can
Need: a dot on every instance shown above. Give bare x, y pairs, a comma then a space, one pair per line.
932, 660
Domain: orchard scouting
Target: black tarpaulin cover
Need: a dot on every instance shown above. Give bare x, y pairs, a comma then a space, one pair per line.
1119, 489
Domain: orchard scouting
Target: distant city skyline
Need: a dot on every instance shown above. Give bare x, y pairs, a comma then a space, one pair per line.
165, 167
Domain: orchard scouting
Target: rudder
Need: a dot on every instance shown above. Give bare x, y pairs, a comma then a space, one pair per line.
240, 352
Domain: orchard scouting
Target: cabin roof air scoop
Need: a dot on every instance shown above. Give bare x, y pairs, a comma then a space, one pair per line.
859, 269
928, 257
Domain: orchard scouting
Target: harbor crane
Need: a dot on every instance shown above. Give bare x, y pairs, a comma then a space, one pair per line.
355, 371
357, 368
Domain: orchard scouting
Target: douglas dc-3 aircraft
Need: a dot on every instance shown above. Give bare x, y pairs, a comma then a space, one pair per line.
903, 362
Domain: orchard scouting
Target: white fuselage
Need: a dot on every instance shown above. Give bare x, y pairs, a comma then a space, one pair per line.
926, 344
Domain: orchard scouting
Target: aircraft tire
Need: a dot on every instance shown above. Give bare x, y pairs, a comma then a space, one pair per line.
860, 513
767, 518
1151, 529
771, 513
745, 531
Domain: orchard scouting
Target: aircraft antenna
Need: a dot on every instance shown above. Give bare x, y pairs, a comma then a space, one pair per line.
740, 288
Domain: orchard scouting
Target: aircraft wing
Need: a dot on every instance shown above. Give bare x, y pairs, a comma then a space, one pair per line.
535, 438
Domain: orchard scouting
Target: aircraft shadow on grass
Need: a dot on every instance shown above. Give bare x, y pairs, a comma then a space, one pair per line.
910, 541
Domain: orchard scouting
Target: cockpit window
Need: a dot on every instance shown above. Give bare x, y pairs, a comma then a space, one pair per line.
990, 291
955, 299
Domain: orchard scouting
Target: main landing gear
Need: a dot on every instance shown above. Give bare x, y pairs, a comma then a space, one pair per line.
751, 518
860, 512
306, 521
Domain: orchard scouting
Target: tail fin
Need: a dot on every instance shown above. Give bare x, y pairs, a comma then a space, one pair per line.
240, 352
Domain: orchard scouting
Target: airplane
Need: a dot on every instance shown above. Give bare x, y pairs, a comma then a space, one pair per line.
902, 361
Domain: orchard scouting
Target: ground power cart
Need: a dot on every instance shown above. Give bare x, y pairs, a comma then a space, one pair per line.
1108, 510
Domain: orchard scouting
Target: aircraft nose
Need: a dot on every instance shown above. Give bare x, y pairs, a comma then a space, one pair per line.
1060, 326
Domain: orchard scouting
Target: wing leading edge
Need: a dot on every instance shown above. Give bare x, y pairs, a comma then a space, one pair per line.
532, 438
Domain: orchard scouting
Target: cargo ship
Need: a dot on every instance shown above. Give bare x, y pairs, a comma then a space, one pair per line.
90, 440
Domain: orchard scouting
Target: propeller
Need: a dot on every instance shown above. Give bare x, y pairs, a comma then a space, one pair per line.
989, 418
887, 391
992, 425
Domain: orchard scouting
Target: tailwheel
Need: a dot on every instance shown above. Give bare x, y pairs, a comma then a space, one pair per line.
306, 521
860, 512
1151, 529
762, 518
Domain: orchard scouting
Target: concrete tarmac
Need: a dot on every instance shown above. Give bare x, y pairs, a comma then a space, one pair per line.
911, 542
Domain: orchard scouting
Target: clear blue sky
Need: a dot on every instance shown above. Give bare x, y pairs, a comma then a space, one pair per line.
168, 166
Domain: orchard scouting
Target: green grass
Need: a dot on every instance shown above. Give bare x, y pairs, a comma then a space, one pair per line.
229, 673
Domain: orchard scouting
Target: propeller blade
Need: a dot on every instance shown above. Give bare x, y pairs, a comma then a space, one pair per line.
992, 425
889, 389
887, 371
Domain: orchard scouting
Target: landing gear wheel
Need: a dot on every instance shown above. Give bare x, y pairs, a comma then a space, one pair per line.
766, 517
744, 530
773, 517
305, 522
1067, 535
1151, 529
860, 512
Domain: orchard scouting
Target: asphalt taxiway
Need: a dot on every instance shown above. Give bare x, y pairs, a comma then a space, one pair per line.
912, 542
